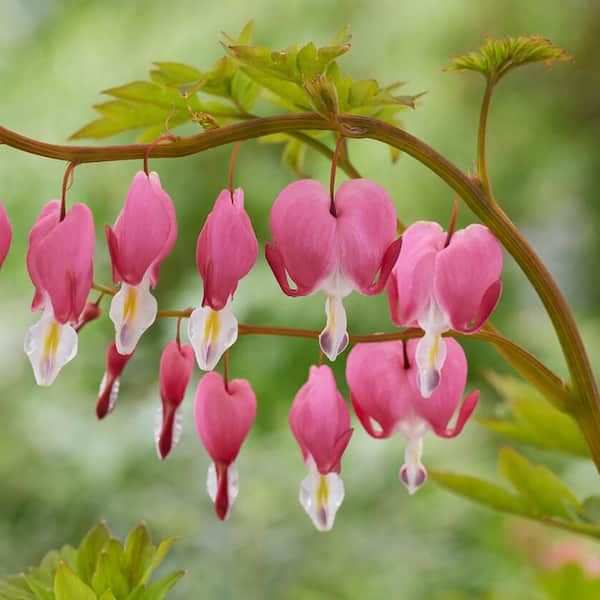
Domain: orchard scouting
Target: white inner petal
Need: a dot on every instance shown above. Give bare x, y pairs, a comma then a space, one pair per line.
211, 332
233, 487
431, 349
334, 338
114, 392
177, 428
321, 496
132, 310
413, 474
49, 346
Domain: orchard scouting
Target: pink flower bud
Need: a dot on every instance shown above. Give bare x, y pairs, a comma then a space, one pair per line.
91, 312
111, 381
5, 234
386, 398
227, 249
141, 239
59, 261
439, 287
336, 254
224, 417
176, 366
320, 422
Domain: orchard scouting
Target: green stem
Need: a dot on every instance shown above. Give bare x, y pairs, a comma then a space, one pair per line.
482, 170
587, 410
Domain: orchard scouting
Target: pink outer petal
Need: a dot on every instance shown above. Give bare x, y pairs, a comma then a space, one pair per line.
467, 277
304, 233
380, 386
366, 226
176, 367
410, 285
61, 261
227, 248
320, 420
466, 410
5, 234
439, 408
144, 232
223, 419
115, 365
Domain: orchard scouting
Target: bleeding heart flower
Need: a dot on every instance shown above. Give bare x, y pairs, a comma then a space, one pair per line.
5, 234
111, 381
59, 261
176, 366
141, 239
386, 398
336, 253
227, 249
440, 286
320, 422
91, 312
224, 416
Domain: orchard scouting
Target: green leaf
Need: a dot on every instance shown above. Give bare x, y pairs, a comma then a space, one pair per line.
174, 73
244, 91
108, 595
293, 156
159, 589
481, 491
545, 493
67, 586
41, 592
569, 581
109, 565
497, 56
138, 553
158, 557
89, 550
534, 421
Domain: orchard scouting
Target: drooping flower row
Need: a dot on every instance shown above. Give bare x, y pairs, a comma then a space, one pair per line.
338, 243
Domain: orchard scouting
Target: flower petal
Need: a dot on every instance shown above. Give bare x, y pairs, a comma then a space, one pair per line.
222, 485
49, 345
467, 276
413, 474
5, 234
133, 310
334, 338
211, 332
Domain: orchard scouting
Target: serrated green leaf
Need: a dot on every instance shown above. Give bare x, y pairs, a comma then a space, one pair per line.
109, 574
497, 56
68, 586
40, 591
138, 553
159, 589
108, 595
89, 550
176, 73
481, 491
244, 91
161, 552
343, 37
244, 37
543, 491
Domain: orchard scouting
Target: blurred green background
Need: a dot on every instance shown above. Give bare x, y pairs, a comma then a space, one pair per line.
61, 471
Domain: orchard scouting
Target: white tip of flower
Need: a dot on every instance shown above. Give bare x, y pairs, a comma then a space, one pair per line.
132, 310
113, 394
49, 346
413, 474
430, 357
232, 491
211, 332
321, 496
172, 437
334, 338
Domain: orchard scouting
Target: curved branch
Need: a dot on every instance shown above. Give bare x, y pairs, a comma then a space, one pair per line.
587, 411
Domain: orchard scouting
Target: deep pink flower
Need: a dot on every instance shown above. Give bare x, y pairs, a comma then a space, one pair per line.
227, 249
59, 261
439, 287
141, 239
111, 381
386, 398
336, 254
5, 234
224, 417
320, 422
91, 312
176, 366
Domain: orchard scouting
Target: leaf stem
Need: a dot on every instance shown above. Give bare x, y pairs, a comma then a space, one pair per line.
482, 170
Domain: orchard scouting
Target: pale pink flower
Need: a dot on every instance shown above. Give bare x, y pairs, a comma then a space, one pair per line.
224, 416
320, 422
387, 400
334, 253
141, 239
439, 286
227, 249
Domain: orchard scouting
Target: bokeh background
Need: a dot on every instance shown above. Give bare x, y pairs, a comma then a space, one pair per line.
61, 471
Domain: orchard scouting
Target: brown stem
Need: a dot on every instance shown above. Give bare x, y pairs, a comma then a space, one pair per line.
234, 152
66, 184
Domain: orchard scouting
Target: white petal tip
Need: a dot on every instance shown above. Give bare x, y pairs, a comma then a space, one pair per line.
321, 496
167, 433
223, 492
413, 477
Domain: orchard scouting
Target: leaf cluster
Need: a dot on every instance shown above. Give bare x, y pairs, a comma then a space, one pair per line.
101, 568
297, 79
496, 57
